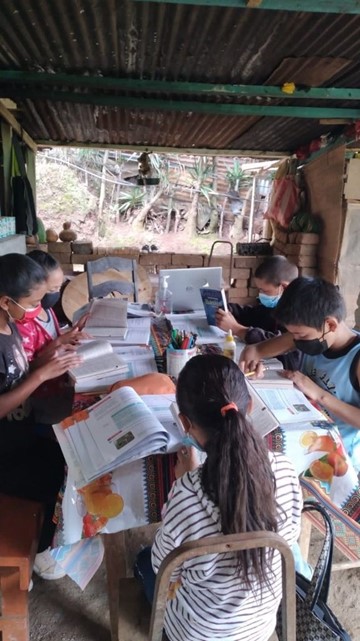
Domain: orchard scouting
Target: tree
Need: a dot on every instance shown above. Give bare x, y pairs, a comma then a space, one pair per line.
200, 173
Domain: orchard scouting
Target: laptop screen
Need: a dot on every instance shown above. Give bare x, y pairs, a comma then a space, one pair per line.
185, 286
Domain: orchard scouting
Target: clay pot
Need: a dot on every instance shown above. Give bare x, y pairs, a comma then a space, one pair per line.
67, 234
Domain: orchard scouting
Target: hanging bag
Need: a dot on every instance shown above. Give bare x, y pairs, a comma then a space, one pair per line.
314, 619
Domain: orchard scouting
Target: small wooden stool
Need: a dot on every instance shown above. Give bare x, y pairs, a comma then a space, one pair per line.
20, 525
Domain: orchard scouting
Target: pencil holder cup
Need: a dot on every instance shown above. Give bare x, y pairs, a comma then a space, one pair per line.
176, 359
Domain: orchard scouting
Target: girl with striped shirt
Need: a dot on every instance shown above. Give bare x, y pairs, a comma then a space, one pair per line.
241, 487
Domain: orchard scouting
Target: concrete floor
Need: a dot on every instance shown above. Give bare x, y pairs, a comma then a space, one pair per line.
60, 611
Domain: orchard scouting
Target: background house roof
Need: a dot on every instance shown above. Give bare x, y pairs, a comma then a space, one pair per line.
156, 75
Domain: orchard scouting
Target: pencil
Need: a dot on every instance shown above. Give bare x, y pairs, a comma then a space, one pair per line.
248, 374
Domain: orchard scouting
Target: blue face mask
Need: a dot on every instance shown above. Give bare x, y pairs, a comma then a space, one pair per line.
269, 301
189, 441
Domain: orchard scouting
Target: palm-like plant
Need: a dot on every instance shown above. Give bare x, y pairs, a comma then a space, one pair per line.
129, 201
201, 174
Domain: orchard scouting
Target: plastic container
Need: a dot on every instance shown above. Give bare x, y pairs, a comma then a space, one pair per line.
176, 359
229, 348
163, 300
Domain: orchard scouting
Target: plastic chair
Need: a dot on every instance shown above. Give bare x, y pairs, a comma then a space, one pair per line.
100, 290
219, 545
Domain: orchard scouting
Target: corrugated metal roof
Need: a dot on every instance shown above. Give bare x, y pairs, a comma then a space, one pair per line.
171, 42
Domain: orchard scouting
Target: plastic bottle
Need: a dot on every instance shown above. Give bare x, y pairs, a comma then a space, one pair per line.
229, 348
163, 301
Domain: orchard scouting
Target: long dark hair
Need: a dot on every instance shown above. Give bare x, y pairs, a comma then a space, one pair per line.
237, 474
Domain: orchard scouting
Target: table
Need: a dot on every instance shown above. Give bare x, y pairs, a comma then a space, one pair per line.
151, 479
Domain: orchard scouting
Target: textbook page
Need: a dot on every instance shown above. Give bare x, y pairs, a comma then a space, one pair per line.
107, 312
91, 349
138, 333
161, 404
197, 324
260, 416
94, 368
289, 405
117, 429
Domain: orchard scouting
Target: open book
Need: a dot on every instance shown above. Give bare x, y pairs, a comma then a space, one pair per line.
98, 361
286, 403
118, 429
213, 299
107, 317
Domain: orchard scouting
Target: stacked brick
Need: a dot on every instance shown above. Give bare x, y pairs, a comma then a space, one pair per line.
299, 248
240, 290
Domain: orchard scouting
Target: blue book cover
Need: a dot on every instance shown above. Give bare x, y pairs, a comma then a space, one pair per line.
212, 299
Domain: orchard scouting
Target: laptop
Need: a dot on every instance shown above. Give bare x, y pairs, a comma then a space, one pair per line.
185, 286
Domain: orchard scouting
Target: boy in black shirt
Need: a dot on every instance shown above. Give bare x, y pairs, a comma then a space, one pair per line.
256, 323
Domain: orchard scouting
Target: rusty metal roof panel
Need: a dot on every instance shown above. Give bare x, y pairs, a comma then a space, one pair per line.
172, 42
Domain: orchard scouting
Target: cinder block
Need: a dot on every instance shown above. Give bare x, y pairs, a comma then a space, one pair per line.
59, 247
67, 268
82, 259
236, 293
243, 273
62, 257
253, 292
311, 272
153, 258
218, 261
187, 260
307, 239
248, 261
247, 300
307, 261
281, 236
296, 249
240, 284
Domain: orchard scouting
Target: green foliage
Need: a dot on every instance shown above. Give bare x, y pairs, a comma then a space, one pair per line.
131, 200
237, 176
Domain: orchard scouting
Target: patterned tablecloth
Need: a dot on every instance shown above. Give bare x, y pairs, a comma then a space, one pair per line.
317, 454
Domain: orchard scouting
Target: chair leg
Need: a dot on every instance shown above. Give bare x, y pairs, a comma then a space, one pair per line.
14, 620
115, 561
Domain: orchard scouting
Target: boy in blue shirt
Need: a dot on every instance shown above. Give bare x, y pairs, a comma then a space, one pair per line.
313, 312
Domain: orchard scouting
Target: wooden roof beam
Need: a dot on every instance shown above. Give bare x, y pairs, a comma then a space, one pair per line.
6, 115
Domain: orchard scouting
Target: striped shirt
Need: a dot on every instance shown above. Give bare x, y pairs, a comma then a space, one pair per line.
211, 602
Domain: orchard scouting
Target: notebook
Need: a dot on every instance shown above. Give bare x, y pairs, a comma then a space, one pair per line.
185, 285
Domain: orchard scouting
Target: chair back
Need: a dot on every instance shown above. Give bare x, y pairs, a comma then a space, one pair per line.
219, 545
126, 287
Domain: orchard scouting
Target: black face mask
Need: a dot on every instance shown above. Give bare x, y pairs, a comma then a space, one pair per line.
312, 347
50, 300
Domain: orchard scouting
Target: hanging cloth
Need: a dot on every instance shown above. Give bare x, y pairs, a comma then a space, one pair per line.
22, 198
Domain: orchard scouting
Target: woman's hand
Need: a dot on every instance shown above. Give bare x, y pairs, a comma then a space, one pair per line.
72, 336
305, 385
60, 363
187, 460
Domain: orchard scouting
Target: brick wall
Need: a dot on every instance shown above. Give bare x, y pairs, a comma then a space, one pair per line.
299, 248
242, 289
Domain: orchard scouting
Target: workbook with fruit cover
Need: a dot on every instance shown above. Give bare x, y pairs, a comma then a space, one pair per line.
116, 430
107, 318
98, 361
213, 299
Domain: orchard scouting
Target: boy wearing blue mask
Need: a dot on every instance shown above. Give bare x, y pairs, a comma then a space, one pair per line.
256, 323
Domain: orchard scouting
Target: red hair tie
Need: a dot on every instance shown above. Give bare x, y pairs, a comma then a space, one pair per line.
226, 408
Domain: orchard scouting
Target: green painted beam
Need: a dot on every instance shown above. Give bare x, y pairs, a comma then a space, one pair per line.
130, 84
154, 104
306, 6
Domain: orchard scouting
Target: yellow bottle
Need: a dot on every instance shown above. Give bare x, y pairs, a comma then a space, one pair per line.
229, 348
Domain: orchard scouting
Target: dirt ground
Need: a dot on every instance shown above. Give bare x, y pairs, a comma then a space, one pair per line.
60, 611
